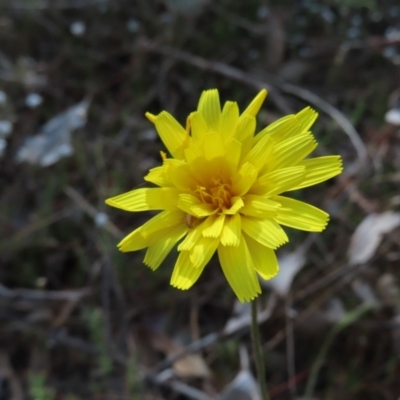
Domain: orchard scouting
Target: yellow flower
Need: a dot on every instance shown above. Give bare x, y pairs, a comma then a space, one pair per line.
221, 191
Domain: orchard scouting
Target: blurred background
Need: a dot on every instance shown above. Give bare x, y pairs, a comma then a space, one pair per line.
78, 319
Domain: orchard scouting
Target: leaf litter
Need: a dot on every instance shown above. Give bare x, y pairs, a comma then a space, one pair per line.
53, 142
369, 234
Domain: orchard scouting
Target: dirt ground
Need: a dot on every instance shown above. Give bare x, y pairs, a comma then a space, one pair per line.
80, 320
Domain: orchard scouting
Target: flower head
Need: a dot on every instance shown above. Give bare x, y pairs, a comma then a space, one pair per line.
220, 191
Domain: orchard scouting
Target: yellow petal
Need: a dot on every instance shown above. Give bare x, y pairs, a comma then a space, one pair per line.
158, 176
319, 170
264, 259
278, 181
198, 126
202, 251
146, 199
185, 274
237, 265
137, 241
214, 226
245, 132
191, 238
180, 174
265, 231
260, 153
157, 252
231, 231
229, 120
237, 204
187, 201
151, 117
246, 128
205, 171
306, 118
280, 130
299, 215
291, 151
258, 206
254, 107
233, 151
133, 242
244, 179
209, 106
193, 206
193, 152
163, 220
173, 135
203, 210
213, 146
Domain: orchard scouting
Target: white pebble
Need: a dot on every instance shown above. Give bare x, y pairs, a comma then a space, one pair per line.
392, 33
263, 12
328, 15
3, 97
32, 100
254, 54
100, 219
5, 128
389, 51
78, 28
393, 117
353, 32
133, 25
356, 20
148, 134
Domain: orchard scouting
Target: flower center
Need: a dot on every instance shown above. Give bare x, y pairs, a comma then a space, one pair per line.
218, 194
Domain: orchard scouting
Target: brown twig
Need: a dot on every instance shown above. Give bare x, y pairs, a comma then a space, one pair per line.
84, 205
44, 295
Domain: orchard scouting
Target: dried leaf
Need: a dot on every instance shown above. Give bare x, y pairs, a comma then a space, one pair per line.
192, 365
364, 291
243, 387
289, 265
334, 311
54, 140
393, 117
368, 235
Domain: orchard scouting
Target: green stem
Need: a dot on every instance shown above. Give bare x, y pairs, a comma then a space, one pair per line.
255, 338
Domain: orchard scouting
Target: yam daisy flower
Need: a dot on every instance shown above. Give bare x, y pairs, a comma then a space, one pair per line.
220, 190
